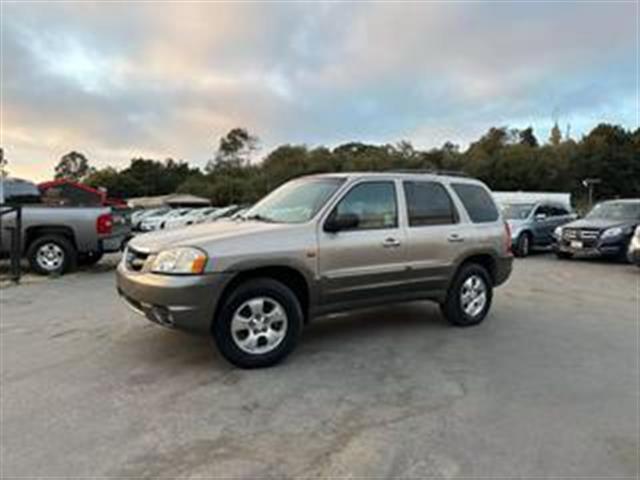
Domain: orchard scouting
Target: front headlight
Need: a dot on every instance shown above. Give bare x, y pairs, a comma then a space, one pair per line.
612, 232
557, 232
180, 260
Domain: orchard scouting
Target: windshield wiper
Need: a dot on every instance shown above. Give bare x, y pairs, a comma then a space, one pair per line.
259, 218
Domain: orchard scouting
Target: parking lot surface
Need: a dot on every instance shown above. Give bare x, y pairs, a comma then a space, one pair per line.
547, 387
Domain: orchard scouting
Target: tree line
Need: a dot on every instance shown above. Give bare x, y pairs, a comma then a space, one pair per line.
504, 158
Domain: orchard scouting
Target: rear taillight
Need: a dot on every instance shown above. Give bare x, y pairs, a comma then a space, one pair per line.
507, 238
104, 224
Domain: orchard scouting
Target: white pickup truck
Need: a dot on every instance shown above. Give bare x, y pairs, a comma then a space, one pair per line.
56, 239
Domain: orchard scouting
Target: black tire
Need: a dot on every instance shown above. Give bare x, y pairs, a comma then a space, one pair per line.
564, 255
89, 259
259, 287
67, 261
452, 307
523, 245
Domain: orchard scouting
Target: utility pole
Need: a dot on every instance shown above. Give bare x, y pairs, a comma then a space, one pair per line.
589, 184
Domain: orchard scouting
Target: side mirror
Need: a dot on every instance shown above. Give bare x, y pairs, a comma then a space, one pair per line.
336, 223
541, 216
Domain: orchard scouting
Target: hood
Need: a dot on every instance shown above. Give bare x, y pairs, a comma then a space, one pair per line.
201, 234
600, 223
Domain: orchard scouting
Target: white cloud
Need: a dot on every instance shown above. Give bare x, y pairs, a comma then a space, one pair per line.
166, 79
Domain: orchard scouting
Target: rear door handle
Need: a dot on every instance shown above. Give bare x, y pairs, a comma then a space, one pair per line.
454, 237
391, 243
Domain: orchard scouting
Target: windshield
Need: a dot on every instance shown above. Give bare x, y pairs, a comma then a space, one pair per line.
517, 211
221, 212
296, 201
616, 211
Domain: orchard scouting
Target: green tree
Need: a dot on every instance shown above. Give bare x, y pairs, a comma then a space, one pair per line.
556, 135
116, 184
73, 166
3, 164
527, 137
234, 150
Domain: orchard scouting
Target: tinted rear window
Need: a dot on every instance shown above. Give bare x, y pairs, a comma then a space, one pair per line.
477, 202
428, 203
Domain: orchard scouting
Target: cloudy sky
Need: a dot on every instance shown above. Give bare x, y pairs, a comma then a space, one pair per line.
158, 79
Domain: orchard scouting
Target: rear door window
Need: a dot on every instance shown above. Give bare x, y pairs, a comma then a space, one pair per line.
477, 202
428, 203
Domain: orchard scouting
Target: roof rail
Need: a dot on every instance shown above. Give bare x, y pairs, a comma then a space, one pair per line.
449, 173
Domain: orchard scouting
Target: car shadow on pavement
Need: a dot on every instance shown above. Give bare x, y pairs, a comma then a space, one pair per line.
160, 348
416, 317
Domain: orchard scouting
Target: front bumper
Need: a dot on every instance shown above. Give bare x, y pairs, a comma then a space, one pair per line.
185, 302
610, 248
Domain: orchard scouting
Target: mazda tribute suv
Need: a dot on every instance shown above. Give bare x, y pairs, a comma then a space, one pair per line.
317, 245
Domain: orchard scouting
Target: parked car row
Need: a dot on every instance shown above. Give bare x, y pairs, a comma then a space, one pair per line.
606, 231
167, 218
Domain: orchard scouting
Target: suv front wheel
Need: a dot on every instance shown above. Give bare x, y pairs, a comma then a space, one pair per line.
469, 297
259, 324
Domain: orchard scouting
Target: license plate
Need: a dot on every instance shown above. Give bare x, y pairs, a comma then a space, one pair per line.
576, 244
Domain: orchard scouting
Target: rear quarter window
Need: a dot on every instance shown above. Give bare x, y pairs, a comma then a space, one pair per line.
477, 201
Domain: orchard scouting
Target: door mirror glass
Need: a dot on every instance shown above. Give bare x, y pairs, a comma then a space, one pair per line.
343, 221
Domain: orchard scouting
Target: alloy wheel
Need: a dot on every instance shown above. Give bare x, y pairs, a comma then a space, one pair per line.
259, 325
473, 296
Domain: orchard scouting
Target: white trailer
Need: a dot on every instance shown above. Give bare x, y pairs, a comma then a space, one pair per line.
504, 198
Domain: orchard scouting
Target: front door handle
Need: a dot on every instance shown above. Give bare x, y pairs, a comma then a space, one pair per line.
391, 243
454, 237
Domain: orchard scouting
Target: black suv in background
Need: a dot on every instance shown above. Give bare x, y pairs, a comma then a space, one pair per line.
605, 231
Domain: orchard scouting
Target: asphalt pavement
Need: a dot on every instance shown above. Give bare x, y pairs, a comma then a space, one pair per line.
547, 387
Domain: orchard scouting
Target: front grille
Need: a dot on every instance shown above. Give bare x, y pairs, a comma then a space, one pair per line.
135, 259
589, 234
588, 237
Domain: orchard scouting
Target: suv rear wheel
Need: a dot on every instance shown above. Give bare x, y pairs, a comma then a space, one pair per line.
52, 255
259, 324
469, 297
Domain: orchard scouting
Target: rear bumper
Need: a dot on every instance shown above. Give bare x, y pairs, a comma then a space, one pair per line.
113, 244
182, 302
504, 265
